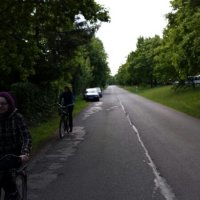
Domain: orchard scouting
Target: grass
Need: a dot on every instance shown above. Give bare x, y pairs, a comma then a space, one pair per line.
185, 100
46, 131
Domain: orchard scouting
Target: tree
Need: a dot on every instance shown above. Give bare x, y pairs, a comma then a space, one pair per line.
141, 63
164, 70
98, 61
36, 37
122, 76
182, 35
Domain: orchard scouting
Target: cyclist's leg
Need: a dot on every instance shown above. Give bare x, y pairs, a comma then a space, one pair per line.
66, 124
70, 111
9, 184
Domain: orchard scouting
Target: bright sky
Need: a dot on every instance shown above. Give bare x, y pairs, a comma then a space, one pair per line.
130, 19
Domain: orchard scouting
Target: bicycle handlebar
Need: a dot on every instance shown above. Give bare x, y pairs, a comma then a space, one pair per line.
62, 106
10, 161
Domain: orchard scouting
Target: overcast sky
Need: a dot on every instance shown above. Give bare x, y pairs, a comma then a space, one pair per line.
130, 19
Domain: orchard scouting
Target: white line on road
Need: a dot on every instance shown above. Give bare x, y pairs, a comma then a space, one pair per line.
160, 182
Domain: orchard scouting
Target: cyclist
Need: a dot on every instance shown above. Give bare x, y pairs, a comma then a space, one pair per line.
14, 139
66, 98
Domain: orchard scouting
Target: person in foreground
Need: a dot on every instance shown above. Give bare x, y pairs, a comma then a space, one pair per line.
67, 99
15, 139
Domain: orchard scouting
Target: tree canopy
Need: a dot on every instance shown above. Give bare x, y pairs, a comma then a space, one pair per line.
39, 38
174, 56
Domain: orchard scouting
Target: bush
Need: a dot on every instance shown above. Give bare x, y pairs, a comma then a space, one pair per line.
35, 102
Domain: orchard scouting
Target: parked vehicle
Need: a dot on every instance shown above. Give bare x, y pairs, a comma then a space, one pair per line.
197, 79
99, 91
193, 79
91, 94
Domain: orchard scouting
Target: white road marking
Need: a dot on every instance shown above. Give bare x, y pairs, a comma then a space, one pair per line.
160, 182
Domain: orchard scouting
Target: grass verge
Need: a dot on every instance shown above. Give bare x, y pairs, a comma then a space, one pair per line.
185, 100
47, 130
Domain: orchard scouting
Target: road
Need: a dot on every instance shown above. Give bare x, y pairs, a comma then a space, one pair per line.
123, 147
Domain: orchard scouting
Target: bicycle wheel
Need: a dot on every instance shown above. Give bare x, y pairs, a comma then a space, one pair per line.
21, 182
64, 127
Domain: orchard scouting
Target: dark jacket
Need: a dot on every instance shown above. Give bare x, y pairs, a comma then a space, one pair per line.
66, 98
15, 137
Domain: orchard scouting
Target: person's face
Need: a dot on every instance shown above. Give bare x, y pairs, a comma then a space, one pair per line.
3, 105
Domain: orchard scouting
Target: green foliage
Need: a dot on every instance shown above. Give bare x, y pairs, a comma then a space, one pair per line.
98, 61
45, 45
37, 37
182, 34
122, 76
161, 61
81, 70
140, 65
44, 132
35, 103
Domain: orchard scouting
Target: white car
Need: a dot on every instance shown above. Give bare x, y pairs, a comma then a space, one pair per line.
193, 79
99, 91
197, 79
91, 94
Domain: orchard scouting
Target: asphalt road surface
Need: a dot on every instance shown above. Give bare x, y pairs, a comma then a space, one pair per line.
123, 147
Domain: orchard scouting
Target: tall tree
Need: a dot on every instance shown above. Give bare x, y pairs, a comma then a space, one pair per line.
141, 62
37, 36
98, 60
182, 35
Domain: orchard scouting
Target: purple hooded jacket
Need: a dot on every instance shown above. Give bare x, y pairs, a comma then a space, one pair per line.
15, 137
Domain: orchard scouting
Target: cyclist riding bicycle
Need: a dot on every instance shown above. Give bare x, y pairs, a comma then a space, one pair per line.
66, 98
15, 139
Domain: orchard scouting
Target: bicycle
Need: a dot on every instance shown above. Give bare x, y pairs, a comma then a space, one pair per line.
11, 161
64, 120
